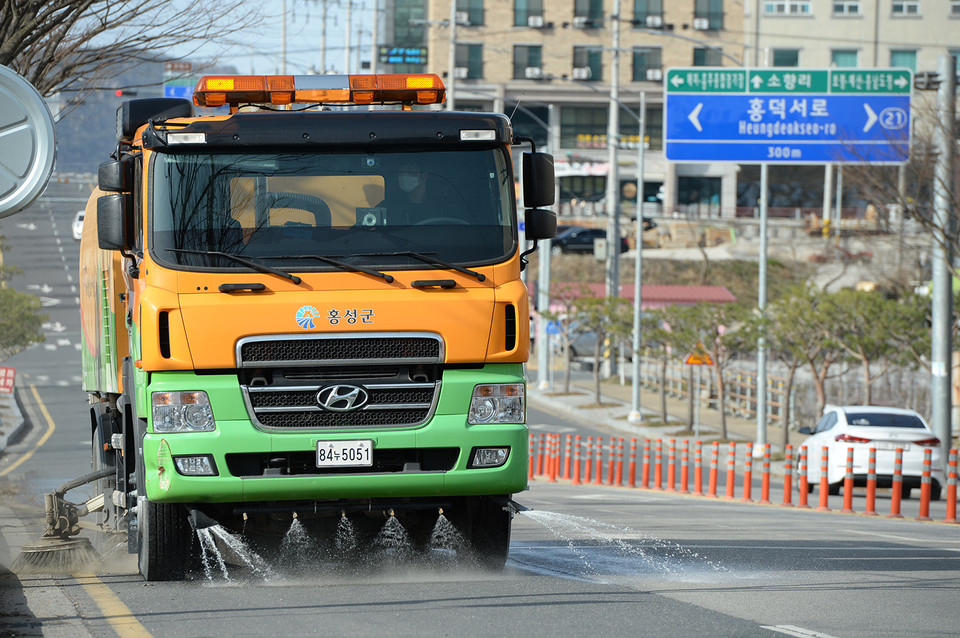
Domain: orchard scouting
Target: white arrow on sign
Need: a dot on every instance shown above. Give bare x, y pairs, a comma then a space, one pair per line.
694, 117
44, 288
871, 117
30, 226
676, 81
901, 82
757, 81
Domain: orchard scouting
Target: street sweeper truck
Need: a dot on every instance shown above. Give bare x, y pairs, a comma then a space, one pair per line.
301, 296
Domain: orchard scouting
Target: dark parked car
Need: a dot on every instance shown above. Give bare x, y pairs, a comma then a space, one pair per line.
578, 239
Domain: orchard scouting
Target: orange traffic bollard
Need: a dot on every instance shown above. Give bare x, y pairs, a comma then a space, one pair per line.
848, 484
658, 466
698, 467
532, 456
588, 464
952, 488
646, 463
685, 467
672, 466
748, 474
788, 476
632, 467
765, 476
611, 460
731, 468
598, 462
896, 489
540, 453
714, 462
925, 487
803, 481
576, 460
568, 457
824, 479
618, 478
870, 509
553, 447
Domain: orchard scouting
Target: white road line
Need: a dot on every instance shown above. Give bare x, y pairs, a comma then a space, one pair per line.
790, 630
912, 539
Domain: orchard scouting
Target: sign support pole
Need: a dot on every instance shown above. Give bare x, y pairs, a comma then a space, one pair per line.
761, 307
635, 415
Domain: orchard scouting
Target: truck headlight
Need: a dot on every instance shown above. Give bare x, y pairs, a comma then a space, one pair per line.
497, 403
182, 412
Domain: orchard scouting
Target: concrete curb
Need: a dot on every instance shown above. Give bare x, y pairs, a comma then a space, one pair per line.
11, 418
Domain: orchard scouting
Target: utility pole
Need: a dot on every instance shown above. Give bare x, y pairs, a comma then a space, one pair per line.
940, 359
452, 59
346, 43
283, 37
613, 147
635, 415
375, 38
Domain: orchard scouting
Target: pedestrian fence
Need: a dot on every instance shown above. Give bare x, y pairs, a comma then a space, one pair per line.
652, 465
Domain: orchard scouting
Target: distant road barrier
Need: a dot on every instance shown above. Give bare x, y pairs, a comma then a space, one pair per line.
549, 452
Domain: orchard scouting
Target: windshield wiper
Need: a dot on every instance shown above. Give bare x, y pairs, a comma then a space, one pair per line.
249, 263
342, 265
427, 258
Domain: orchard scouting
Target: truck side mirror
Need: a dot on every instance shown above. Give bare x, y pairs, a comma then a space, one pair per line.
539, 180
540, 224
116, 176
114, 221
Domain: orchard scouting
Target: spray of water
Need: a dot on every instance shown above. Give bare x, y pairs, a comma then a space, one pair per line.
653, 553
216, 542
345, 541
392, 541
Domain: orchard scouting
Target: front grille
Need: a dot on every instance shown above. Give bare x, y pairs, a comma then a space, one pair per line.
282, 377
297, 350
255, 464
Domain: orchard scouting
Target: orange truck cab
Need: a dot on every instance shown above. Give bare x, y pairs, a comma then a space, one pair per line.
306, 303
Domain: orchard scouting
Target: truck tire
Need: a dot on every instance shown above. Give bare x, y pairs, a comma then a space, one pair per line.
486, 526
166, 540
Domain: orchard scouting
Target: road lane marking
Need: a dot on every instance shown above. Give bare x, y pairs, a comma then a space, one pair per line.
114, 610
46, 435
790, 630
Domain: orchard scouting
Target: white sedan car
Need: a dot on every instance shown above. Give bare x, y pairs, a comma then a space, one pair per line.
862, 427
77, 226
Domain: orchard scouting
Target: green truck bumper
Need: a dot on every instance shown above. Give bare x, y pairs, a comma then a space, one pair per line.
446, 439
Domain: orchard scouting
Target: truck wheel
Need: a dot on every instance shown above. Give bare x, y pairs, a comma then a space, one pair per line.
165, 540
487, 529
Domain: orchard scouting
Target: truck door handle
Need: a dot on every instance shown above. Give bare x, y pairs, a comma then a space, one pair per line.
257, 287
434, 283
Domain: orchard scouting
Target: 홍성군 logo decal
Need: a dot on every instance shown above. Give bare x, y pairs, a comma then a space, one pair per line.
305, 317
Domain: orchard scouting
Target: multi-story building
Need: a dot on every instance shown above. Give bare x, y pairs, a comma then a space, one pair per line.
547, 64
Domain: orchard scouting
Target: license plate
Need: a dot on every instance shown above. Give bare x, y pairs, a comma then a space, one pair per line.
357, 453
890, 445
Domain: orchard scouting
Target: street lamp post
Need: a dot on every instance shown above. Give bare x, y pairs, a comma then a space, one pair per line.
613, 147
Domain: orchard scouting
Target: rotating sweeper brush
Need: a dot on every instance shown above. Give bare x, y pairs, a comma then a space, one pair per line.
56, 552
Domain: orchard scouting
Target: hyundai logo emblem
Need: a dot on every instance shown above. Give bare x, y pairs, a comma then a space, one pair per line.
342, 398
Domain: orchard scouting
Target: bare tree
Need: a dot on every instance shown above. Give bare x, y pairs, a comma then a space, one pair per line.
76, 45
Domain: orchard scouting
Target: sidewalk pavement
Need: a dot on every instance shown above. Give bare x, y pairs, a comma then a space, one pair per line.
616, 398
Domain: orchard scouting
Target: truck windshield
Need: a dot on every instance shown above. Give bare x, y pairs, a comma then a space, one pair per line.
370, 209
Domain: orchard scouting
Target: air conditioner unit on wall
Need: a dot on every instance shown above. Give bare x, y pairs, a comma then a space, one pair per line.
461, 72
580, 22
533, 73
654, 22
654, 75
463, 17
535, 22
581, 73
701, 24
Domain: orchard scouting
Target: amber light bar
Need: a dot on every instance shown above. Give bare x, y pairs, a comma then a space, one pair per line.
396, 88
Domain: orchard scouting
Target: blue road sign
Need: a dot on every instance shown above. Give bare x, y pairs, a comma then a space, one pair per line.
553, 328
747, 116
172, 90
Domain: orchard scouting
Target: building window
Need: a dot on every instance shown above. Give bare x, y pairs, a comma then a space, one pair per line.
470, 12
586, 127
528, 121
648, 13
469, 61
587, 63
846, 7
528, 13
587, 13
647, 65
708, 15
707, 57
906, 7
408, 33
786, 57
527, 62
844, 58
787, 7
904, 59
955, 8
